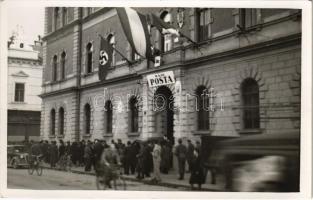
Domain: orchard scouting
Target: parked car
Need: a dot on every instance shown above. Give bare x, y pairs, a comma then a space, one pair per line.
260, 163
17, 156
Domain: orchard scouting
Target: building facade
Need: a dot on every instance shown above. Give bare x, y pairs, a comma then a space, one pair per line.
234, 72
24, 87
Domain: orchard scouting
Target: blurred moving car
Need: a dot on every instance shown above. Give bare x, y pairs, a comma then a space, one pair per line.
17, 156
260, 163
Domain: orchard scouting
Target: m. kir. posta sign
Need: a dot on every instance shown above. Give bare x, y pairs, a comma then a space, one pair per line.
162, 78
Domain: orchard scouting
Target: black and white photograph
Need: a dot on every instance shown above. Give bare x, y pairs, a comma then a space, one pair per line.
144, 98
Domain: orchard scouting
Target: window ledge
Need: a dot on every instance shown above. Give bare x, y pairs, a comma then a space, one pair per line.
250, 131
134, 134
108, 135
86, 135
88, 74
204, 132
19, 102
51, 136
60, 136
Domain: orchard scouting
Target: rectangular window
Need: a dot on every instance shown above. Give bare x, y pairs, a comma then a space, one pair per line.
270, 12
248, 17
222, 19
203, 24
19, 92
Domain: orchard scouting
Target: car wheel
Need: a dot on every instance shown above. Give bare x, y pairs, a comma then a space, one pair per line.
14, 164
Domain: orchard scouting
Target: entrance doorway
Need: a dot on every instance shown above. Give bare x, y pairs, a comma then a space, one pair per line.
164, 115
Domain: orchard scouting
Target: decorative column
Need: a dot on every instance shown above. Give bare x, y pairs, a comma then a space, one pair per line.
180, 107
146, 111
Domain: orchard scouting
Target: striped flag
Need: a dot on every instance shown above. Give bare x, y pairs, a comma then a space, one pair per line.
105, 58
135, 28
162, 26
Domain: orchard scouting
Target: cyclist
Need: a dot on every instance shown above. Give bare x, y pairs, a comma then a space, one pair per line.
35, 153
109, 163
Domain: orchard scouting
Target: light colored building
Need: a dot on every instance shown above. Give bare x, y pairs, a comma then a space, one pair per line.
251, 57
24, 86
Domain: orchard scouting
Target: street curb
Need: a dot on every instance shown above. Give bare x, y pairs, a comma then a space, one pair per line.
147, 182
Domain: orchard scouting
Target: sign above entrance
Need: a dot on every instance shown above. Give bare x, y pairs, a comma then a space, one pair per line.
162, 78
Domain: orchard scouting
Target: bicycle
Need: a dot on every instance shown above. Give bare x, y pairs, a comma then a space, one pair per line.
35, 163
106, 175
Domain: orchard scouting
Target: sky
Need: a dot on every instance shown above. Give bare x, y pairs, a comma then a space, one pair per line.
28, 20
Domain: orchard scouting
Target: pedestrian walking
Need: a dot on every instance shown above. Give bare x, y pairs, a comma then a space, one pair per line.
165, 158
197, 173
181, 154
198, 146
140, 161
98, 148
134, 150
74, 152
190, 152
156, 154
47, 149
88, 154
127, 158
61, 149
53, 154
147, 159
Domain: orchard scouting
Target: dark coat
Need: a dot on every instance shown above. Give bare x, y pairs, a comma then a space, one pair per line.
53, 150
190, 150
147, 159
61, 150
36, 149
128, 154
165, 158
181, 152
197, 172
88, 151
98, 148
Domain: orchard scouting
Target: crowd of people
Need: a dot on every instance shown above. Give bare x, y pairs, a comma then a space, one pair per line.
145, 159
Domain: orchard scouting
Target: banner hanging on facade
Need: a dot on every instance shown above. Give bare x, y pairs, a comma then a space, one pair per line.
105, 58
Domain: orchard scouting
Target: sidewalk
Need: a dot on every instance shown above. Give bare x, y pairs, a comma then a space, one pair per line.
168, 180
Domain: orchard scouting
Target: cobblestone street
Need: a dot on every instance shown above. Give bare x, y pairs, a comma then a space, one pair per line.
58, 180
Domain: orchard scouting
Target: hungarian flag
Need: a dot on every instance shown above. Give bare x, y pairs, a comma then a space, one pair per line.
135, 27
162, 26
105, 57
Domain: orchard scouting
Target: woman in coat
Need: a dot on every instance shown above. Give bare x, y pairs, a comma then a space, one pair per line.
165, 158
197, 173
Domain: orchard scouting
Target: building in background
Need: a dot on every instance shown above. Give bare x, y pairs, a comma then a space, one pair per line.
248, 59
24, 86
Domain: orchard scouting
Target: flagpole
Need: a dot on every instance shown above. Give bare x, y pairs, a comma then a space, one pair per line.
128, 61
124, 57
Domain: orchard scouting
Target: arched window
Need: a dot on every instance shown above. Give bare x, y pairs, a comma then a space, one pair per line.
166, 40
203, 108
61, 121
109, 116
133, 107
89, 51
87, 114
111, 40
56, 18
64, 16
63, 57
55, 68
250, 104
52, 122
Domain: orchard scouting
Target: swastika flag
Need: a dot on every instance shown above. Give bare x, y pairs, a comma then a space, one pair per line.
105, 58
